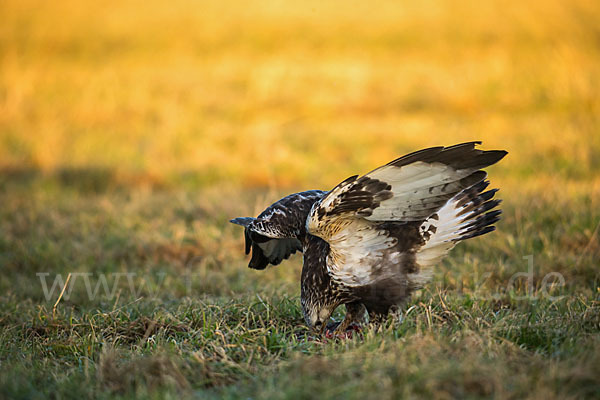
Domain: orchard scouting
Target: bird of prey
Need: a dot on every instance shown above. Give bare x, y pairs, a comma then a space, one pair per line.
372, 240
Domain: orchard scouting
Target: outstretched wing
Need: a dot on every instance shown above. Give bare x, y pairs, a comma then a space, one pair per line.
277, 232
364, 218
410, 188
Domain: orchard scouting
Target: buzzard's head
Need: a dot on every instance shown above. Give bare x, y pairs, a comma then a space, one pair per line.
316, 315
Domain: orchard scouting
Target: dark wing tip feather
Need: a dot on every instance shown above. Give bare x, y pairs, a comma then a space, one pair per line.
258, 260
476, 177
419, 155
480, 159
479, 210
475, 233
459, 156
485, 196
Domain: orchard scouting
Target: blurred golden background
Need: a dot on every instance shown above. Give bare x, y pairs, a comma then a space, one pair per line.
286, 94
132, 131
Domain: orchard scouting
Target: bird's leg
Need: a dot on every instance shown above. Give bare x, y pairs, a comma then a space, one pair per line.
354, 316
323, 329
377, 319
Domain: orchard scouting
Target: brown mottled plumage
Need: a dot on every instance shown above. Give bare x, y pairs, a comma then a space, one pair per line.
372, 240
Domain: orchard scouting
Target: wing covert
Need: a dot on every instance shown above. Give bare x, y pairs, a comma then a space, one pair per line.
372, 222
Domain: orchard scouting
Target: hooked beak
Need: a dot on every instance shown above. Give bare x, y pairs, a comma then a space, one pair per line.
320, 327
243, 221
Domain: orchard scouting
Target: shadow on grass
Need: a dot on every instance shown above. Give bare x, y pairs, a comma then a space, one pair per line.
99, 179
80, 179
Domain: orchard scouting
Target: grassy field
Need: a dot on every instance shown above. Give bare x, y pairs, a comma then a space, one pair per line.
131, 132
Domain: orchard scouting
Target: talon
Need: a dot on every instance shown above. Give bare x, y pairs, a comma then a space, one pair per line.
333, 331
353, 327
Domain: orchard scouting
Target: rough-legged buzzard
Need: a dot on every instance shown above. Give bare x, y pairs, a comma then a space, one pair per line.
372, 240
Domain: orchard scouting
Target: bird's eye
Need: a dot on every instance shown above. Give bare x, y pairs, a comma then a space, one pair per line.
318, 324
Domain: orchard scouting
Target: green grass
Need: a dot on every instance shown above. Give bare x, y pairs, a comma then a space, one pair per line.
132, 131
198, 323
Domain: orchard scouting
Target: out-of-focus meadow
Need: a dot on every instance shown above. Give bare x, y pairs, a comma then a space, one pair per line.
270, 93
132, 131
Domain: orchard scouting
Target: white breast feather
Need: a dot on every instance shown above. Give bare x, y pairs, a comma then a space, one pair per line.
356, 251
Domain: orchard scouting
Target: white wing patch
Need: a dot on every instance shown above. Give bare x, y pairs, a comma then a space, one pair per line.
418, 189
356, 250
439, 231
465, 215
